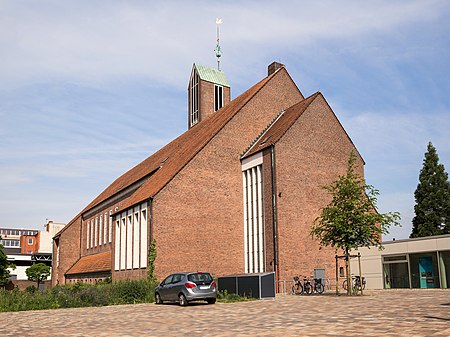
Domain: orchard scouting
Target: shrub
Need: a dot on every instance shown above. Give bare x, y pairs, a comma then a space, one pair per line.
78, 295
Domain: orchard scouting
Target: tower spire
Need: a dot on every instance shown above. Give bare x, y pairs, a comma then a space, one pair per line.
218, 50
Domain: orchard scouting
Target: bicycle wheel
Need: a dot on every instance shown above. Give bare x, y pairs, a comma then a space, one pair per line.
320, 288
297, 289
344, 284
307, 288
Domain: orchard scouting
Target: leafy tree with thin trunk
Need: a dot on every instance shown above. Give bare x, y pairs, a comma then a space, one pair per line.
432, 209
38, 272
4, 265
351, 220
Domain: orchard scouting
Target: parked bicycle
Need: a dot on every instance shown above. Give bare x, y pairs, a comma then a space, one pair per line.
308, 287
356, 283
318, 286
297, 288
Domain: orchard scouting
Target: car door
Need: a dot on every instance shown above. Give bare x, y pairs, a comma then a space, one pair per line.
164, 290
175, 287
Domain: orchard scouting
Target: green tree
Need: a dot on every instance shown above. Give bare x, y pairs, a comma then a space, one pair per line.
351, 220
4, 265
432, 209
38, 272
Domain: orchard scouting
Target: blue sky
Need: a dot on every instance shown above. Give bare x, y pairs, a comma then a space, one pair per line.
89, 89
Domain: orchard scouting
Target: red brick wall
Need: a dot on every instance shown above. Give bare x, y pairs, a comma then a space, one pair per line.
69, 252
198, 216
313, 153
25, 247
207, 99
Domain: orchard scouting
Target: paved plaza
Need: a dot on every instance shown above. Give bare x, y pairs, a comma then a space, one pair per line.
378, 313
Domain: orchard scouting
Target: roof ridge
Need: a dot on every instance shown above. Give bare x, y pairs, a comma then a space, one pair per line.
289, 111
258, 137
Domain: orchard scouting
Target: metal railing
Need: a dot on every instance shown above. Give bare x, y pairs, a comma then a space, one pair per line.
285, 286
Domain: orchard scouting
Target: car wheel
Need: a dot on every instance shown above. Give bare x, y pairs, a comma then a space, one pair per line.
158, 299
211, 300
182, 300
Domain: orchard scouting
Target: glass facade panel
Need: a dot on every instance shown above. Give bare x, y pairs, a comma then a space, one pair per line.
444, 261
396, 275
424, 270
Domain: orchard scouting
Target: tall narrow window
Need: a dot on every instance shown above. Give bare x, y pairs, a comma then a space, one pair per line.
100, 230
117, 251
253, 220
92, 233
110, 227
143, 221
218, 97
194, 99
88, 231
105, 228
123, 242
96, 233
129, 242
136, 251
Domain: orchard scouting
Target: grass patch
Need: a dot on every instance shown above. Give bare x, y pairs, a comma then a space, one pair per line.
225, 297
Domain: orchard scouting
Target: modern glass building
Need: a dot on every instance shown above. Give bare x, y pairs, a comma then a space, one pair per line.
411, 263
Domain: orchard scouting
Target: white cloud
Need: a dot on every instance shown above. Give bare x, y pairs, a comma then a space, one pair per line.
104, 41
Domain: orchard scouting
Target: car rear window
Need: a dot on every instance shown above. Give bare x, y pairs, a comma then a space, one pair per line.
200, 278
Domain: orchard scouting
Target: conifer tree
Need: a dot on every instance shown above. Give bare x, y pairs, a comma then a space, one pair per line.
432, 209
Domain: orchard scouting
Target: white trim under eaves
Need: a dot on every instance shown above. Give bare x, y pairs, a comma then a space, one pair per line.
252, 161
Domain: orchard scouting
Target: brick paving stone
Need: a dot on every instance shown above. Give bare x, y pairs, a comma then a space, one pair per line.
421, 312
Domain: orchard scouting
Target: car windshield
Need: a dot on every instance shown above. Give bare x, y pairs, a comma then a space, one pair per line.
200, 278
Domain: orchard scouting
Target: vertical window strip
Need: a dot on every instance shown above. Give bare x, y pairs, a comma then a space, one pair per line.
136, 250
253, 220
194, 99
110, 227
129, 246
123, 237
100, 228
96, 232
117, 247
88, 230
92, 233
261, 238
244, 183
249, 222
144, 237
105, 227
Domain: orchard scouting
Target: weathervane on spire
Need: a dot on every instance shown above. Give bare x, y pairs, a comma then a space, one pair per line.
218, 50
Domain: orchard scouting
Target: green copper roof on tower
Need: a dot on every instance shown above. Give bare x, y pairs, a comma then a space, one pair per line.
212, 75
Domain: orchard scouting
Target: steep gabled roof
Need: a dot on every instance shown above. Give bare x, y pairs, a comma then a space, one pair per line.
91, 263
157, 170
279, 126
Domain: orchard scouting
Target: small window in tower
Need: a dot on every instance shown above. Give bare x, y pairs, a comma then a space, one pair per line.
194, 99
218, 97
30, 241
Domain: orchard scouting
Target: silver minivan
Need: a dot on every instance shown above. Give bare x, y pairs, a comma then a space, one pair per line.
186, 287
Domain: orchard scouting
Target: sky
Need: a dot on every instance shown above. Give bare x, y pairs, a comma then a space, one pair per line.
88, 89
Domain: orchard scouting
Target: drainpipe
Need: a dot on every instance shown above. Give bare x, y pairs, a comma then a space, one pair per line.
274, 216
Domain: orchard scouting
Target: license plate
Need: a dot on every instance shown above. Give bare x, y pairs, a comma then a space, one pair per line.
204, 287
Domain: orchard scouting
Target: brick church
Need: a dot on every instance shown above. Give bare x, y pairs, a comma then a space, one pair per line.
236, 193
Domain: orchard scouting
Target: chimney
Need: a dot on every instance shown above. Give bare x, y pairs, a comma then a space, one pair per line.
273, 67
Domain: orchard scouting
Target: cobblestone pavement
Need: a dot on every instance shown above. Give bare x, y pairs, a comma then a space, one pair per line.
378, 313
